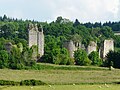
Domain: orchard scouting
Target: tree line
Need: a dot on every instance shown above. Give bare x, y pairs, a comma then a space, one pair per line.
56, 33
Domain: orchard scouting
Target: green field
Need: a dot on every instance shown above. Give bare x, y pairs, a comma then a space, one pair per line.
65, 77
64, 87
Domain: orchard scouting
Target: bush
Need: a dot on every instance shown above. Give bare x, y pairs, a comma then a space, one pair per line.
81, 58
94, 57
5, 82
32, 82
61, 59
71, 61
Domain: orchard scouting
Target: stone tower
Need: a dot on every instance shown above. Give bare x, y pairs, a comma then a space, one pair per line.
36, 37
70, 46
40, 40
106, 47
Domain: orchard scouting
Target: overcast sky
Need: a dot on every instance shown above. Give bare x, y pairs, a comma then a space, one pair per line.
48, 10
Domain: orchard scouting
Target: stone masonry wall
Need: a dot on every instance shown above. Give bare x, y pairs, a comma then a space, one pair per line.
107, 46
36, 37
91, 47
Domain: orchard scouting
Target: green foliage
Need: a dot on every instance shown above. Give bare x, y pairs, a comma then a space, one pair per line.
15, 60
6, 82
81, 58
31, 82
62, 58
8, 31
113, 59
117, 41
107, 32
71, 61
56, 33
3, 59
54, 52
94, 57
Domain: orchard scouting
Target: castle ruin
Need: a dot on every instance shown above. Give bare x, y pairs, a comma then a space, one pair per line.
36, 37
91, 47
106, 47
72, 46
69, 45
103, 51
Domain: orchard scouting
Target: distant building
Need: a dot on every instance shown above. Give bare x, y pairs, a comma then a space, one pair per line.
36, 37
106, 47
73, 46
91, 47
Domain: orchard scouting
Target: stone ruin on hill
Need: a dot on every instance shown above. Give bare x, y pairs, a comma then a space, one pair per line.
91, 47
36, 37
72, 46
106, 46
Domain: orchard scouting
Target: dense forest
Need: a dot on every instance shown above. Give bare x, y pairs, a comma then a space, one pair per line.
15, 31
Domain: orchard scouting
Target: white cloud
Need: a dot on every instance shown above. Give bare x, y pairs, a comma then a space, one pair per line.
88, 10
118, 13
48, 10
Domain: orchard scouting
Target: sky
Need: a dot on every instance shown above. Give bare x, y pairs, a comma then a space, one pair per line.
49, 10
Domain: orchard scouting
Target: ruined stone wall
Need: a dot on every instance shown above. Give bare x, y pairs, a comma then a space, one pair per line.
91, 47
41, 43
70, 46
32, 35
107, 46
36, 37
8, 46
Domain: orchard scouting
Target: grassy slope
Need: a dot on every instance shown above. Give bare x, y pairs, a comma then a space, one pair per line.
62, 75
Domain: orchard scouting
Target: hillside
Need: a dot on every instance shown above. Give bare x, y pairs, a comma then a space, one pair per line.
15, 53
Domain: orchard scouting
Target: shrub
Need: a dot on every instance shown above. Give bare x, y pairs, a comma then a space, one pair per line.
71, 61
5, 82
94, 57
81, 58
32, 82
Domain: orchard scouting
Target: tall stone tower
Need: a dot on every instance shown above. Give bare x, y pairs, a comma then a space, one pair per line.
40, 40
106, 47
70, 46
36, 37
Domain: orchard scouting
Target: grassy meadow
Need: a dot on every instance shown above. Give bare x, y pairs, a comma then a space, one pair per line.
64, 87
65, 77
